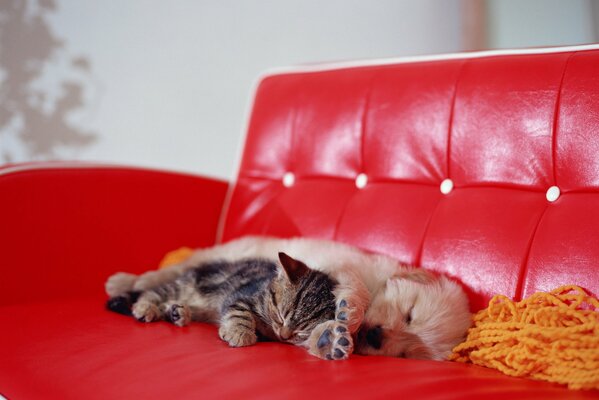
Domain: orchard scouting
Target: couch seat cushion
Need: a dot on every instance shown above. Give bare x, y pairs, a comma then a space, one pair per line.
75, 349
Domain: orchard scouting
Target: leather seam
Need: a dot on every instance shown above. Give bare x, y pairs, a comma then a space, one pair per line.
451, 117
268, 223
292, 161
418, 258
363, 119
525, 262
556, 115
342, 215
391, 181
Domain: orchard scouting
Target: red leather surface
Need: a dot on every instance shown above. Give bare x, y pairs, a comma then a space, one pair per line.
64, 230
502, 128
76, 350
576, 138
503, 119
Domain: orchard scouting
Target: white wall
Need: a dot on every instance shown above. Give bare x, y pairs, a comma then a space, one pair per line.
169, 81
529, 23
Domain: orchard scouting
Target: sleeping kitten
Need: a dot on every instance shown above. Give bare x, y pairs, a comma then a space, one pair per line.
250, 299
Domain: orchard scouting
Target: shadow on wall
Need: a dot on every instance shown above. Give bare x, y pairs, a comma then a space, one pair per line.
35, 119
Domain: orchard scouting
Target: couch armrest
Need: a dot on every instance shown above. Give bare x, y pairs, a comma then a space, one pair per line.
64, 227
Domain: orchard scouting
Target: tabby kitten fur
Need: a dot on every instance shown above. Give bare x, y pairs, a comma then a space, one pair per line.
250, 299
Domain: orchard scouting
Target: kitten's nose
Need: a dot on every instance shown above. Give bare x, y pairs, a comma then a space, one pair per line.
285, 333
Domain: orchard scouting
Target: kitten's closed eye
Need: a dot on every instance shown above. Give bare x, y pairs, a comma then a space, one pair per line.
299, 337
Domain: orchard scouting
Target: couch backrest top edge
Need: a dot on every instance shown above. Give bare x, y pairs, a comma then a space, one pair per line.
337, 65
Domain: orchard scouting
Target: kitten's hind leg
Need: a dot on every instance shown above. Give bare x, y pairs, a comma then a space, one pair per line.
154, 278
147, 307
332, 340
123, 303
119, 284
178, 314
238, 326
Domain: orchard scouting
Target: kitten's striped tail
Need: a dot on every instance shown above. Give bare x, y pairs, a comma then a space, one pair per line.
122, 304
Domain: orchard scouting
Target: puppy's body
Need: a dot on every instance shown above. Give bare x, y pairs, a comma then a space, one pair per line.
395, 310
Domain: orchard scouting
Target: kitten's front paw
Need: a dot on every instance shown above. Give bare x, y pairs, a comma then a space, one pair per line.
237, 336
332, 340
119, 284
145, 312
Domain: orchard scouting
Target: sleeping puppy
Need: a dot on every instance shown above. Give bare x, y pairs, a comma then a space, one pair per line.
415, 316
392, 309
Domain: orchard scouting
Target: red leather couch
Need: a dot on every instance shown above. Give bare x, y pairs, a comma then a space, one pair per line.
351, 152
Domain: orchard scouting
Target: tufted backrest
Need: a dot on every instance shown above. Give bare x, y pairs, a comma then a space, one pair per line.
484, 167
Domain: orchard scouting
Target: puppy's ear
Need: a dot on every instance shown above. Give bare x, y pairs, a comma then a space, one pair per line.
294, 269
417, 275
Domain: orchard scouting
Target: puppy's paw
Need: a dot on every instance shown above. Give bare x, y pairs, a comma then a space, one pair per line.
350, 313
331, 342
119, 284
145, 312
237, 336
343, 312
178, 314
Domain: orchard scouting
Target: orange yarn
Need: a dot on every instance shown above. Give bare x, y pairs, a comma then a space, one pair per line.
175, 257
549, 336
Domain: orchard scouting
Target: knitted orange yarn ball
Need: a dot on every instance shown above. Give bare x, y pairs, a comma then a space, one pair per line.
175, 257
548, 336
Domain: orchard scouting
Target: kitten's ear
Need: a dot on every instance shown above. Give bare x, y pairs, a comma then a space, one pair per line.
294, 269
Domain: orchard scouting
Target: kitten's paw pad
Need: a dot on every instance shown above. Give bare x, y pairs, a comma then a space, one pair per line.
238, 337
145, 312
119, 284
334, 343
178, 314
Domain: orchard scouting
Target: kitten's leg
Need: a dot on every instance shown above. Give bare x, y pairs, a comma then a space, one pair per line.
157, 303
178, 314
122, 282
238, 326
147, 307
151, 279
235, 250
332, 340
119, 284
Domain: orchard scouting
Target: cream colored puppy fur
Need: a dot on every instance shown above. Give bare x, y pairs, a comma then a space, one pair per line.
395, 310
